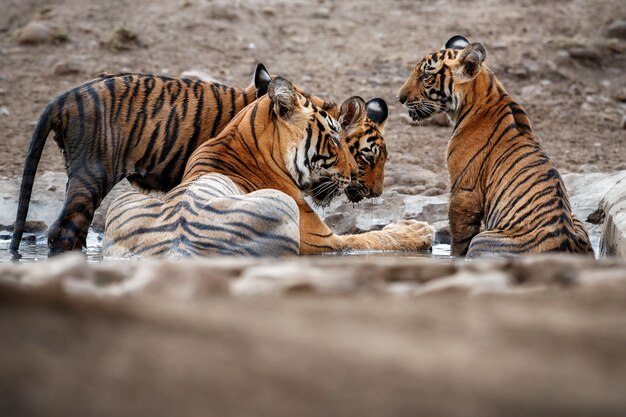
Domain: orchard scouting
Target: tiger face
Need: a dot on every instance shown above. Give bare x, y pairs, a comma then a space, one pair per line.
363, 125
437, 83
317, 159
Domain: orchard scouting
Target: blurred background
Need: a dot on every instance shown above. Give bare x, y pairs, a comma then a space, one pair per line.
562, 59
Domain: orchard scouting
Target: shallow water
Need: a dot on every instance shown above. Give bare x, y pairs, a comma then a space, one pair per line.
34, 248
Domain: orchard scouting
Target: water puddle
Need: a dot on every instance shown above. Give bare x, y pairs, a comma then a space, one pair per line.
34, 248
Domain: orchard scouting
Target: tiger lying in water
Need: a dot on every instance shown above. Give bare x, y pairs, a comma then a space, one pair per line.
282, 142
500, 175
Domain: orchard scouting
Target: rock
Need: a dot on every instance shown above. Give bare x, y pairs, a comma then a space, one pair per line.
617, 30
624, 122
586, 54
321, 13
4, 111
123, 39
45, 205
613, 240
35, 33
67, 68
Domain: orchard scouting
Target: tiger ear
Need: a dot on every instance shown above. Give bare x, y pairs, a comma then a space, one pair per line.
262, 80
377, 111
352, 113
456, 42
284, 97
470, 60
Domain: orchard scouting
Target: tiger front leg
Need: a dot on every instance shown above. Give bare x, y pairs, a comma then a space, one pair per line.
406, 235
465, 216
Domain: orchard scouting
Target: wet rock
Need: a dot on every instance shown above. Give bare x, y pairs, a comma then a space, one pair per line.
67, 68
35, 33
613, 240
617, 30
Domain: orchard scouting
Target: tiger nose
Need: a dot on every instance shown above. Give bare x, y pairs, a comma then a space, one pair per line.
402, 99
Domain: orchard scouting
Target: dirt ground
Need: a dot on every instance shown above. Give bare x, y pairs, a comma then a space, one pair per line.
554, 56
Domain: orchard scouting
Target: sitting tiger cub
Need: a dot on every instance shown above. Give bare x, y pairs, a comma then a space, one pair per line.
500, 176
278, 148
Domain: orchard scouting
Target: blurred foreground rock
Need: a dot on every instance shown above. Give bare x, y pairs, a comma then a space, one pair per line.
387, 337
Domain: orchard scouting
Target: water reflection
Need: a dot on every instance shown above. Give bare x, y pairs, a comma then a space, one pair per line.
34, 248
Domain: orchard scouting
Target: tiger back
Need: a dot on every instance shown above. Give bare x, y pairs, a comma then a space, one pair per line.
209, 216
507, 199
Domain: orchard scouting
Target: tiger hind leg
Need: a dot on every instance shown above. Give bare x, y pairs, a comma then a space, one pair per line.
582, 243
495, 244
82, 198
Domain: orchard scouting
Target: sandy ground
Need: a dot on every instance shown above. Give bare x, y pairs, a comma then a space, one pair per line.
552, 55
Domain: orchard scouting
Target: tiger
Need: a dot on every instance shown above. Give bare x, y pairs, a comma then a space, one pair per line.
282, 142
136, 126
367, 146
500, 176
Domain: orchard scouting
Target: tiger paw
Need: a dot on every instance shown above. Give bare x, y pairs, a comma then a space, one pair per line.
410, 234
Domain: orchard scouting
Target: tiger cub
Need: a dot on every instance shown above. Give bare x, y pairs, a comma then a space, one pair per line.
500, 176
281, 143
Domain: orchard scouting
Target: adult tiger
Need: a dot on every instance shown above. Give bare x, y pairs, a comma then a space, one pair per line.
135, 126
282, 142
500, 176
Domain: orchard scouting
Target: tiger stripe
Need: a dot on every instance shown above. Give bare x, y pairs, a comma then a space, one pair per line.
507, 199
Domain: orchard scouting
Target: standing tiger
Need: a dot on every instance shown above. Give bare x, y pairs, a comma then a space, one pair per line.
135, 126
500, 176
282, 143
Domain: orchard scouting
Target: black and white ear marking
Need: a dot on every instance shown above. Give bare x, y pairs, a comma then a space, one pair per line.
377, 110
351, 113
262, 79
283, 96
456, 42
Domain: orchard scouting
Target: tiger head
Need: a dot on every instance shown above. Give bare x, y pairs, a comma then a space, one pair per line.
441, 79
362, 125
315, 156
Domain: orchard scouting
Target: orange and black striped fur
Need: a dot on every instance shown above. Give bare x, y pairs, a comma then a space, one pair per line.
367, 146
135, 126
500, 176
284, 142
